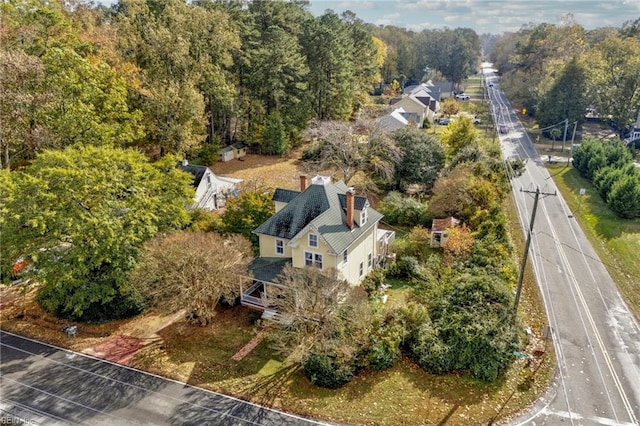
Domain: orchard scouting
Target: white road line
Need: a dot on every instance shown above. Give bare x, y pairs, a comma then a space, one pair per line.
616, 378
543, 284
580, 301
578, 291
574, 416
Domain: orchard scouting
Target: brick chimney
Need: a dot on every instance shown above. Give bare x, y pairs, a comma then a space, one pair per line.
351, 194
303, 182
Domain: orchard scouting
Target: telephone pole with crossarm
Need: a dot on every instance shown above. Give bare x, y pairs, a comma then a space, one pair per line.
525, 255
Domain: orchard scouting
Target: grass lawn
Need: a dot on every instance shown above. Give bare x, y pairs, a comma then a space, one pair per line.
402, 395
616, 240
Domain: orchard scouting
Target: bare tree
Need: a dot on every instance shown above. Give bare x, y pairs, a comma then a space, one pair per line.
313, 306
192, 271
355, 147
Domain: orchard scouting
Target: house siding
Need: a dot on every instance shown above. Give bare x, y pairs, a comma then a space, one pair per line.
202, 192
328, 258
268, 247
412, 105
357, 253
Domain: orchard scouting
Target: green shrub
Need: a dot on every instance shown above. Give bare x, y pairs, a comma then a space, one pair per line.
429, 351
59, 301
407, 267
312, 153
327, 370
593, 154
385, 344
475, 317
373, 282
400, 210
202, 220
383, 353
624, 198
207, 154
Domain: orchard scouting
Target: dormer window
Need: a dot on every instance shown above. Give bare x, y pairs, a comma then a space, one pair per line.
363, 216
313, 240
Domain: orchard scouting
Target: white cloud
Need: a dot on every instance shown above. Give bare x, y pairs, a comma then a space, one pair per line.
389, 19
356, 5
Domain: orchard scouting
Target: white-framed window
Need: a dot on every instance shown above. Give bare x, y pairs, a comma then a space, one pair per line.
361, 268
313, 259
279, 247
363, 216
313, 240
345, 257
370, 260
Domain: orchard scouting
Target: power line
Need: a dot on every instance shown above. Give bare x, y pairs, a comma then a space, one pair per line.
525, 255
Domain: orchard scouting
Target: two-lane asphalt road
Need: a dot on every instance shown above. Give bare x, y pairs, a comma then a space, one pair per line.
42, 384
596, 337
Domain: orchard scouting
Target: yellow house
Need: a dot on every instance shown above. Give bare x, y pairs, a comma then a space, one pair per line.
325, 226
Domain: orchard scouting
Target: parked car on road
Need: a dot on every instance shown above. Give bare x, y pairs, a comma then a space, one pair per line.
444, 121
477, 121
502, 128
463, 96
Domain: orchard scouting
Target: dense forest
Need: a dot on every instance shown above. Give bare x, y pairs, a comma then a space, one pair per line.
558, 71
187, 77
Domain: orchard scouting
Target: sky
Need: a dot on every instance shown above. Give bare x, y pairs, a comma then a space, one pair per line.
484, 16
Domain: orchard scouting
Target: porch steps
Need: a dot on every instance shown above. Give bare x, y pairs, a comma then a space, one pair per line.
270, 314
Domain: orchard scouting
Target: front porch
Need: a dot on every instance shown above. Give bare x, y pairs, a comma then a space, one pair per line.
256, 294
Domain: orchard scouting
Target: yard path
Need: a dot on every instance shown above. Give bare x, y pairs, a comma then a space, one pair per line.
122, 348
252, 344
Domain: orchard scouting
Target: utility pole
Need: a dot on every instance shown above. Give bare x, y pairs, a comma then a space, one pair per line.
564, 138
525, 255
573, 137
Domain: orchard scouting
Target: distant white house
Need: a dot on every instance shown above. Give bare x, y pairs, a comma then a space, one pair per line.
393, 121
230, 152
211, 191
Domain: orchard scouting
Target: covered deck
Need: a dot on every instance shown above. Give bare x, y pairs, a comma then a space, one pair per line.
264, 270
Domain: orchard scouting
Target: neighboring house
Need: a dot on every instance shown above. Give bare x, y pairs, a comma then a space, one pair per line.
440, 230
421, 99
439, 89
324, 225
412, 104
212, 191
395, 120
230, 152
